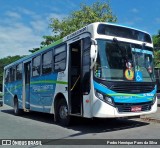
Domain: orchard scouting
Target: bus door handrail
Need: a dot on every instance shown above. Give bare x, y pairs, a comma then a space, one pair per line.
75, 83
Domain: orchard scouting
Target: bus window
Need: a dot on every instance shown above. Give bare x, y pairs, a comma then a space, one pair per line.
47, 62
36, 66
19, 72
7, 75
60, 58
12, 74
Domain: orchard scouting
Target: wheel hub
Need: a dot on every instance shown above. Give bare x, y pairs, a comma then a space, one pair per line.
63, 112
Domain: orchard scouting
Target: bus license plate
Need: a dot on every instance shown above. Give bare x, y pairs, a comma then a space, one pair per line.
136, 108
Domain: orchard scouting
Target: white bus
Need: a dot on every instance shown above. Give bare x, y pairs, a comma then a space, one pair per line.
102, 70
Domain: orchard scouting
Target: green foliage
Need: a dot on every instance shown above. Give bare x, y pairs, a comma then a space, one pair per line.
156, 40
157, 58
5, 61
47, 40
97, 12
156, 43
34, 50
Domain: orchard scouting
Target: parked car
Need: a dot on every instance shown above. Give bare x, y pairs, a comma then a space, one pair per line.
1, 99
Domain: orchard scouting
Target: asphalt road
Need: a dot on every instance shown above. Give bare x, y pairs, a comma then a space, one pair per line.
41, 126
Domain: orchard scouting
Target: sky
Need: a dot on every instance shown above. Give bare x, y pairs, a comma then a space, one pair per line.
23, 23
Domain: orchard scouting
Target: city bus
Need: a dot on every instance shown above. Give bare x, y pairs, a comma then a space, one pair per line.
102, 70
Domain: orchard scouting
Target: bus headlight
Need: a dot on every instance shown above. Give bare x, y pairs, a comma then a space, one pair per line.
99, 95
108, 100
104, 98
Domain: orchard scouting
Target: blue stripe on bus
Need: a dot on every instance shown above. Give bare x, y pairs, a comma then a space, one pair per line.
40, 92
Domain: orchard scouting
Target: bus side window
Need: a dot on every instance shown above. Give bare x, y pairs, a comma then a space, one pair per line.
7, 75
19, 72
12, 74
47, 62
36, 66
60, 55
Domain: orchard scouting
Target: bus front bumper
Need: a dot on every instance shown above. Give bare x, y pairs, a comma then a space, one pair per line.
104, 110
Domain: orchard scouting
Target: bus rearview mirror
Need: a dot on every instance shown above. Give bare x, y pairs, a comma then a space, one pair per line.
93, 53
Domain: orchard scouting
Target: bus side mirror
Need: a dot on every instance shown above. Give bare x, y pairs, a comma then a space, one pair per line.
93, 53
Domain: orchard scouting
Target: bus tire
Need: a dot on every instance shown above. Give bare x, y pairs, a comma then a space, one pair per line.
63, 117
17, 111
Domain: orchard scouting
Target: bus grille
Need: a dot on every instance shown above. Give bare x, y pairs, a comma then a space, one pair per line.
126, 107
132, 88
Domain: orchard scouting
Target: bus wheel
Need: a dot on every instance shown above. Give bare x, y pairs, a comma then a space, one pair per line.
17, 111
62, 113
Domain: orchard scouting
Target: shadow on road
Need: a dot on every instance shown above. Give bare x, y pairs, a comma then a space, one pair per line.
97, 125
85, 126
42, 117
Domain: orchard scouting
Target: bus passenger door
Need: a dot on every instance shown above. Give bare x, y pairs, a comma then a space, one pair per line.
79, 75
27, 71
75, 91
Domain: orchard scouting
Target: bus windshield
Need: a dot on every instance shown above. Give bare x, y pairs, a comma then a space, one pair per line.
124, 62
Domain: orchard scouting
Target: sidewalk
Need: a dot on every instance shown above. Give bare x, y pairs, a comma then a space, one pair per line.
155, 117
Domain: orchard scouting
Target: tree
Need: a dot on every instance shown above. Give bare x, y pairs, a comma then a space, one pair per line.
48, 40
97, 12
5, 61
156, 40
34, 49
157, 58
156, 43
